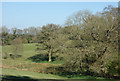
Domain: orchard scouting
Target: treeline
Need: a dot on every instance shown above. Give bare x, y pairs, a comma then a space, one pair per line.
88, 43
27, 35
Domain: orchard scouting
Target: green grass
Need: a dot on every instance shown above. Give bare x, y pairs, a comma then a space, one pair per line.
35, 70
87, 77
30, 74
29, 49
53, 62
35, 75
23, 63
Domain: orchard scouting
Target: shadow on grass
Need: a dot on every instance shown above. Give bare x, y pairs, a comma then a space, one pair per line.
17, 78
40, 57
59, 70
24, 78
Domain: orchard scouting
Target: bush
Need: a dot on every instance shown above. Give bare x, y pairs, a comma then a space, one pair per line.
13, 56
113, 68
5, 55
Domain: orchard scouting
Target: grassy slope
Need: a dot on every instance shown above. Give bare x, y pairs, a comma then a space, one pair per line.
36, 75
29, 50
31, 74
31, 68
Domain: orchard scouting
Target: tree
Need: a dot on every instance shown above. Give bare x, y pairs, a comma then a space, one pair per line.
5, 35
78, 18
32, 31
47, 39
14, 32
17, 47
96, 44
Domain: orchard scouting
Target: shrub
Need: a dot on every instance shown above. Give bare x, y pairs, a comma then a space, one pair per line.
113, 68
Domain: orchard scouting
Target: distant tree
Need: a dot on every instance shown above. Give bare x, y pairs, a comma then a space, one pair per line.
5, 35
24, 41
32, 31
17, 47
19, 32
14, 32
25, 31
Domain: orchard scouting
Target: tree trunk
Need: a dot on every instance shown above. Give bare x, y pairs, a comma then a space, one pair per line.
50, 55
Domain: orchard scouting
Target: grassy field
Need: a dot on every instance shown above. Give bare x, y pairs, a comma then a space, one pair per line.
34, 75
23, 63
22, 67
